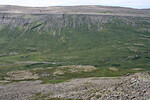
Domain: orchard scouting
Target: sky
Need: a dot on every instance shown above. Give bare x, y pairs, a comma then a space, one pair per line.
43, 3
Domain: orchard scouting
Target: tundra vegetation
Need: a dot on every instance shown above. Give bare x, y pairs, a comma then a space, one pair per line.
58, 46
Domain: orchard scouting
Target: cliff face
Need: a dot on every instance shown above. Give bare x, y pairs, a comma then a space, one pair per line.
59, 21
59, 17
18, 14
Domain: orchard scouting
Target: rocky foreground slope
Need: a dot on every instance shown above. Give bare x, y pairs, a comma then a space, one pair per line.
132, 87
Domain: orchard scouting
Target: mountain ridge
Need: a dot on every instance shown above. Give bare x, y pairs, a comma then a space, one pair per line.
95, 10
71, 37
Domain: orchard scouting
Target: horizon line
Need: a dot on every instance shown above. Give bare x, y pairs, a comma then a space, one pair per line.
73, 6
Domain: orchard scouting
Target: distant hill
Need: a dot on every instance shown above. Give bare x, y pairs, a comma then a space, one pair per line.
90, 35
76, 10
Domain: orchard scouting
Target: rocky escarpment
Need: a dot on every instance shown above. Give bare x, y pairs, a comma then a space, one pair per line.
57, 18
57, 22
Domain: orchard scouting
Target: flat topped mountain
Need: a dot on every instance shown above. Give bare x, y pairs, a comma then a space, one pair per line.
98, 10
84, 35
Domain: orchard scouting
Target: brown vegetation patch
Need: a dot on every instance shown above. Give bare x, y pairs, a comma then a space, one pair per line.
113, 68
58, 72
137, 69
42, 68
21, 75
78, 68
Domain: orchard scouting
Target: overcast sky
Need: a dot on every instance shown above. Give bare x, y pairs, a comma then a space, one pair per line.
43, 3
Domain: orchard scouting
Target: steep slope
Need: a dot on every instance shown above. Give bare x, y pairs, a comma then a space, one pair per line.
94, 35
